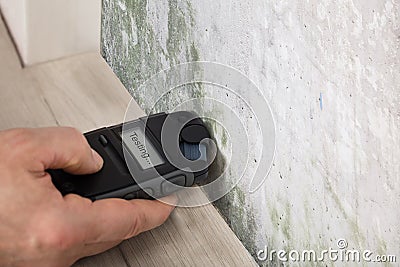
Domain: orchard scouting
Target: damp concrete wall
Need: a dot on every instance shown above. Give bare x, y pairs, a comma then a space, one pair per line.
331, 73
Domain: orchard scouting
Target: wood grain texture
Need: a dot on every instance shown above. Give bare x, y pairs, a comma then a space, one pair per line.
83, 92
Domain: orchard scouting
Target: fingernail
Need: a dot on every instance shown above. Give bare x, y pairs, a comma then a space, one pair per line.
97, 159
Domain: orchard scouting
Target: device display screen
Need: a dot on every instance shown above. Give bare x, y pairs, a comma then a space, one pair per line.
141, 148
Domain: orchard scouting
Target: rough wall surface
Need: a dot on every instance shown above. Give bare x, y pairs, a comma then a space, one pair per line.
330, 70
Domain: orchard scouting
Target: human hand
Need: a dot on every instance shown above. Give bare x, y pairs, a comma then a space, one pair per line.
40, 227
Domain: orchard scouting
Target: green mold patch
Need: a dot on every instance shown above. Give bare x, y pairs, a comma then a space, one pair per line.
354, 227
240, 217
130, 43
177, 31
286, 230
224, 139
132, 46
194, 52
133, 62
275, 219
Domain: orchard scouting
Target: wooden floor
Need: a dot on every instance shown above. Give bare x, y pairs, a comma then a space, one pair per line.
83, 92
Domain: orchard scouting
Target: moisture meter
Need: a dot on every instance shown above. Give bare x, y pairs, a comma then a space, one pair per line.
150, 157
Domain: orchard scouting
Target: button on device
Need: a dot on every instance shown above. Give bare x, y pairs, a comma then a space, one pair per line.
130, 196
103, 140
167, 188
145, 193
141, 194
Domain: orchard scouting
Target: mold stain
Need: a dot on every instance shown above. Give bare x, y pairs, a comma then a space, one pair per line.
130, 45
143, 57
355, 230
224, 139
273, 213
286, 226
177, 31
240, 217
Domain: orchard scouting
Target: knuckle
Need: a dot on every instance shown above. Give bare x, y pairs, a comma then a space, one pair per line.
17, 141
73, 131
76, 135
55, 237
81, 145
19, 136
77, 202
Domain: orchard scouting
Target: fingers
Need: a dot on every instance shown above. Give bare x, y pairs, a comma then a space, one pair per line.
117, 219
60, 148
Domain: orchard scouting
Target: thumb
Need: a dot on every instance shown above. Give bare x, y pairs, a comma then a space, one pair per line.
64, 148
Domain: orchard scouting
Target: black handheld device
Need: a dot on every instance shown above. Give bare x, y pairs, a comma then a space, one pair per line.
137, 164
